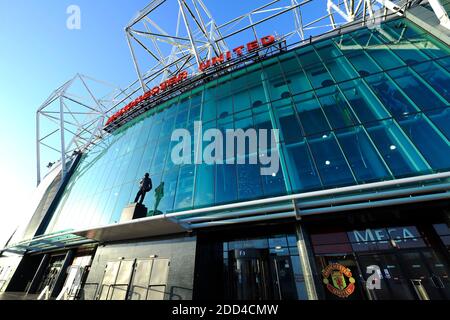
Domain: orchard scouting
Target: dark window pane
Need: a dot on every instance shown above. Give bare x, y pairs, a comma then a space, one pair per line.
436, 76
209, 111
273, 185
396, 150
341, 69
204, 185
361, 61
311, 115
308, 57
289, 62
441, 119
257, 94
327, 50
362, 156
249, 181
330, 161
302, 171
225, 107
277, 87
241, 100
170, 180
430, 143
319, 76
298, 82
416, 90
226, 184
336, 108
392, 98
377, 50
288, 123
365, 104
185, 188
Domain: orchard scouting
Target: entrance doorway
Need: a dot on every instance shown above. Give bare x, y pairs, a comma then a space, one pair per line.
257, 275
249, 264
51, 273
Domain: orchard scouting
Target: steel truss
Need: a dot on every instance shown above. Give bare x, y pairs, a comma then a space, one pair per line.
196, 37
74, 115
353, 10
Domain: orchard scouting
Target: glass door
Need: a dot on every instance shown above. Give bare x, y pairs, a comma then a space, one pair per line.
51, 273
283, 277
251, 275
259, 275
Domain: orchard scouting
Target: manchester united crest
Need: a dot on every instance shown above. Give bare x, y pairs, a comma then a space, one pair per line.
339, 280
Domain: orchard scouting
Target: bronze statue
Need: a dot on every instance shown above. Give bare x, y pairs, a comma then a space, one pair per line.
145, 185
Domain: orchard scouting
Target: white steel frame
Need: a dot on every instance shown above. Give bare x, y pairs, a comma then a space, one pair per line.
352, 10
198, 37
78, 123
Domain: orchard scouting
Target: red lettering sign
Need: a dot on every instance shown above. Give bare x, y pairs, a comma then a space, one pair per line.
238, 51
267, 41
153, 92
226, 56
252, 46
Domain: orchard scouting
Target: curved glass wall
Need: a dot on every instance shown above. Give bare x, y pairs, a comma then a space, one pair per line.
366, 106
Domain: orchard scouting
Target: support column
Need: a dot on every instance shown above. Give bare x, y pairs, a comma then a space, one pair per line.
181, 4
38, 150
61, 277
136, 66
34, 286
63, 143
308, 267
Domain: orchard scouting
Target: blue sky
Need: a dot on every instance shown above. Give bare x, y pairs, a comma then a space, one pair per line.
38, 53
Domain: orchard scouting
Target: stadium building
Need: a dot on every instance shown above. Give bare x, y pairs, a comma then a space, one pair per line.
358, 209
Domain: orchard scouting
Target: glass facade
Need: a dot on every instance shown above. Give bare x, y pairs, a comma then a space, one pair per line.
366, 106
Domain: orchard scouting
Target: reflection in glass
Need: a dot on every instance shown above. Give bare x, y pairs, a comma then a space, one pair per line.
362, 156
330, 161
398, 152
342, 121
421, 132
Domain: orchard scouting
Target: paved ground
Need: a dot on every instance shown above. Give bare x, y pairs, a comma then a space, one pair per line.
17, 296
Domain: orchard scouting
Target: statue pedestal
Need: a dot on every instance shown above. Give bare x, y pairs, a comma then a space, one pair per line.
133, 211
